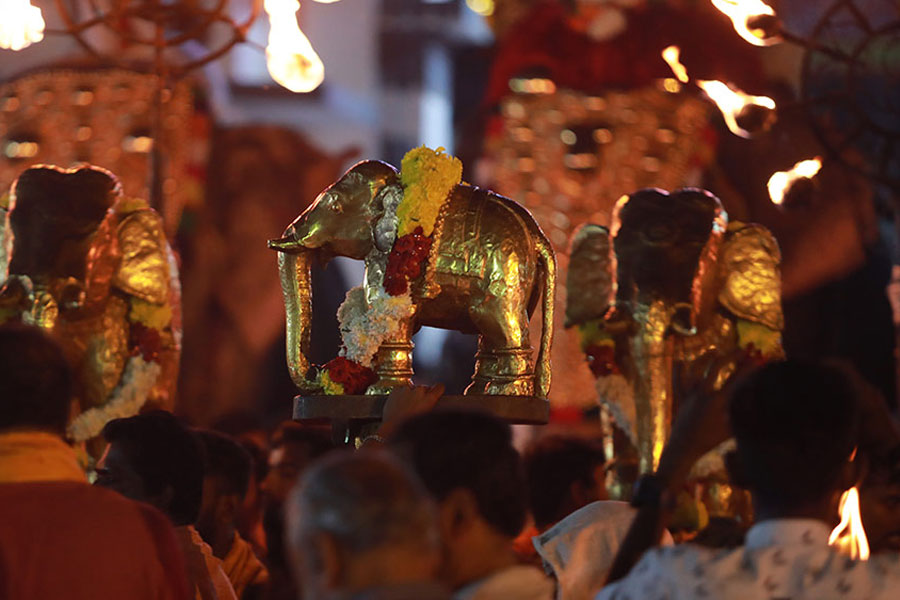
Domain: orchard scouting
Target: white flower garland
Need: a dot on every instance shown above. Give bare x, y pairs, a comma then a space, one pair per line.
366, 325
126, 400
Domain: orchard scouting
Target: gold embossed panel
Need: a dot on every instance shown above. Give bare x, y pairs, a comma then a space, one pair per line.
99, 116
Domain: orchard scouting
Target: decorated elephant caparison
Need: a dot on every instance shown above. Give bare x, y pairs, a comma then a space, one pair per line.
487, 266
94, 270
670, 281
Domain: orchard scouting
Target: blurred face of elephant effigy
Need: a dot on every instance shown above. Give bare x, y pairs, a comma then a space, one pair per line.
674, 281
664, 247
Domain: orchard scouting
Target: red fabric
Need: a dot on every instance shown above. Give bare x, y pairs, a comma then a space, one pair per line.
61, 539
545, 40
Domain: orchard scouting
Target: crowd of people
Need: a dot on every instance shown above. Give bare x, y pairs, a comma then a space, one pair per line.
438, 503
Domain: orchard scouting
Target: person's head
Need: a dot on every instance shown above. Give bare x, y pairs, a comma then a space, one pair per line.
796, 424
564, 473
153, 458
879, 501
359, 520
468, 463
294, 447
225, 482
35, 381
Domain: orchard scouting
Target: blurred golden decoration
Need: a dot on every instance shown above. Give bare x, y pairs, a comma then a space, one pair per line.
41, 115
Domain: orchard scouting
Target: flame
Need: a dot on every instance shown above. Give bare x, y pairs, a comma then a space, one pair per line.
291, 59
850, 535
21, 24
671, 56
741, 12
731, 101
781, 181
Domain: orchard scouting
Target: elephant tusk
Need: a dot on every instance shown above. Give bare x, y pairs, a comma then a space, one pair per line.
286, 244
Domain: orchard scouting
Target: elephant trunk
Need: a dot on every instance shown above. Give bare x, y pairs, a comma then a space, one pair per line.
296, 284
651, 352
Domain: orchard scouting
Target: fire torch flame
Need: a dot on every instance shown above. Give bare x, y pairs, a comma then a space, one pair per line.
850, 535
291, 59
732, 101
672, 57
741, 12
21, 24
781, 181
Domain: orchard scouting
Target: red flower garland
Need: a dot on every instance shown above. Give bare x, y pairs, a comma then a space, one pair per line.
354, 377
405, 261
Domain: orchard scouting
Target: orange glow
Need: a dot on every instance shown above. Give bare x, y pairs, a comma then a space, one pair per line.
291, 59
849, 535
741, 12
781, 181
21, 24
732, 101
671, 56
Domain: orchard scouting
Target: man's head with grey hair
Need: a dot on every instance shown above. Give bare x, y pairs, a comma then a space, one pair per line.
360, 520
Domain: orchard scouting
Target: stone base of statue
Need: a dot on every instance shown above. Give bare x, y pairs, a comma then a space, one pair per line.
350, 415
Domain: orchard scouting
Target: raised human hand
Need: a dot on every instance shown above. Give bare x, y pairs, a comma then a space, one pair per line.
702, 420
406, 401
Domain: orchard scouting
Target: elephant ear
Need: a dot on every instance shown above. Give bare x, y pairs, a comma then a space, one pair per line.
750, 266
143, 271
589, 277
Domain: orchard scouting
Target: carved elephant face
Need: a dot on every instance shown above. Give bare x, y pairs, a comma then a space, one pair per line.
342, 219
664, 247
54, 217
661, 247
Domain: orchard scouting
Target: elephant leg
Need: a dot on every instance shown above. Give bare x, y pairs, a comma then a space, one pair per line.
503, 364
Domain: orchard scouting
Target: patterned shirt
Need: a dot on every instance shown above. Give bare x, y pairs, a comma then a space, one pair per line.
782, 559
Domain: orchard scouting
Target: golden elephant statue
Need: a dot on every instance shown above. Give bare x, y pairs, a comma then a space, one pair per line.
93, 268
670, 281
483, 270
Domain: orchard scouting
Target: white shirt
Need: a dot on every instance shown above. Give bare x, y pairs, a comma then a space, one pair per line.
519, 582
580, 549
781, 559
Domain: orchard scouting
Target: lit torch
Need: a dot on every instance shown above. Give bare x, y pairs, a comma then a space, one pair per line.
291, 59
672, 56
754, 20
734, 103
21, 24
781, 181
850, 535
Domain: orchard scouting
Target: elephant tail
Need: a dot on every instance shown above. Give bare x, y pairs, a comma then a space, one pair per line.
547, 265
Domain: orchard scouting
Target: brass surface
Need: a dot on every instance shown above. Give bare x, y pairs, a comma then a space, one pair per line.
488, 266
83, 271
677, 280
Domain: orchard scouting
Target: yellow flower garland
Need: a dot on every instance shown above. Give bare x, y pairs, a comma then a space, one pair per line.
154, 316
428, 177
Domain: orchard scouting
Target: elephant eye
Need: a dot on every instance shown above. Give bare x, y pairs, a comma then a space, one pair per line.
336, 206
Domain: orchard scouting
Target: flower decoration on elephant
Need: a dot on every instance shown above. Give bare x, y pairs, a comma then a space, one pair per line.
94, 269
366, 320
